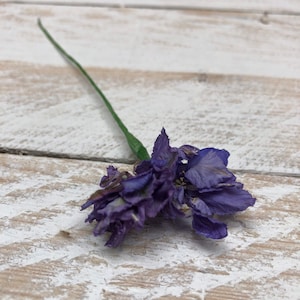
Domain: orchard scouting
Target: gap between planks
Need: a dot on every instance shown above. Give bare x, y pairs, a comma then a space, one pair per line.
265, 12
80, 157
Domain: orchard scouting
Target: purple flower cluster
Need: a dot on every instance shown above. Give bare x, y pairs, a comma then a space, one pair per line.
175, 182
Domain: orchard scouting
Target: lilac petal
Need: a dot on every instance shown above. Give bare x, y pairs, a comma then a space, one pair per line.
200, 207
179, 194
228, 201
112, 212
116, 206
172, 210
161, 146
136, 183
208, 169
187, 151
137, 189
209, 227
119, 231
163, 155
231, 183
101, 198
143, 167
141, 216
112, 173
101, 227
160, 198
221, 154
88, 204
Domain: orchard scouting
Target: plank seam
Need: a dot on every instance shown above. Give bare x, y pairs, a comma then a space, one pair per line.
80, 157
157, 7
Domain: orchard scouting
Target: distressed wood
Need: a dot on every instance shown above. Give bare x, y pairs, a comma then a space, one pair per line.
52, 110
274, 6
199, 89
155, 40
47, 251
217, 76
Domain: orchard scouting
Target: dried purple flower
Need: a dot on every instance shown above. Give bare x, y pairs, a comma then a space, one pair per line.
211, 189
175, 182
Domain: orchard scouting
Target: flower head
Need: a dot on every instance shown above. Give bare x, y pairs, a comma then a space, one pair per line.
211, 189
168, 182
171, 180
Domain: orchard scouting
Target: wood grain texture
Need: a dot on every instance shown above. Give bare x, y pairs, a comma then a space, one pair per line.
50, 109
47, 251
275, 6
45, 106
155, 40
225, 74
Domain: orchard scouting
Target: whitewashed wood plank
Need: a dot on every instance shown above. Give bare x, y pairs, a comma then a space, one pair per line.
47, 251
235, 113
157, 40
288, 6
50, 109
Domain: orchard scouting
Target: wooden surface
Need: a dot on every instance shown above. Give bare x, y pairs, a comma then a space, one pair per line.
273, 6
218, 79
47, 250
224, 75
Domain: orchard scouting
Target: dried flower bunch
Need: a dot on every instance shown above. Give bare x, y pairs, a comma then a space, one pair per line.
174, 183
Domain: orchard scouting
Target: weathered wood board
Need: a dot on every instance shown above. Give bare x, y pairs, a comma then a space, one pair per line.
204, 95
213, 73
155, 40
275, 6
48, 252
256, 119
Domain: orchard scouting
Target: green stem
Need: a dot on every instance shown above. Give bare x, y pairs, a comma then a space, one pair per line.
136, 146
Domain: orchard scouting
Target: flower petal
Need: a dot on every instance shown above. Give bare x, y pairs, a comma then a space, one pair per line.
143, 167
112, 173
208, 168
163, 155
228, 201
136, 183
209, 227
187, 151
138, 188
172, 210
119, 231
199, 206
161, 196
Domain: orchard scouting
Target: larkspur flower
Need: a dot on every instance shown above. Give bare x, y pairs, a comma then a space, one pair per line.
175, 182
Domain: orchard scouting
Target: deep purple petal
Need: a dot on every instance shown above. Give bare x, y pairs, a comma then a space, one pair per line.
101, 226
200, 207
136, 183
187, 151
161, 146
228, 201
221, 153
209, 227
101, 198
140, 216
112, 173
208, 169
179, 195
172, 210
162, 194
163, 155
143, 167
119, 231
138, 188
